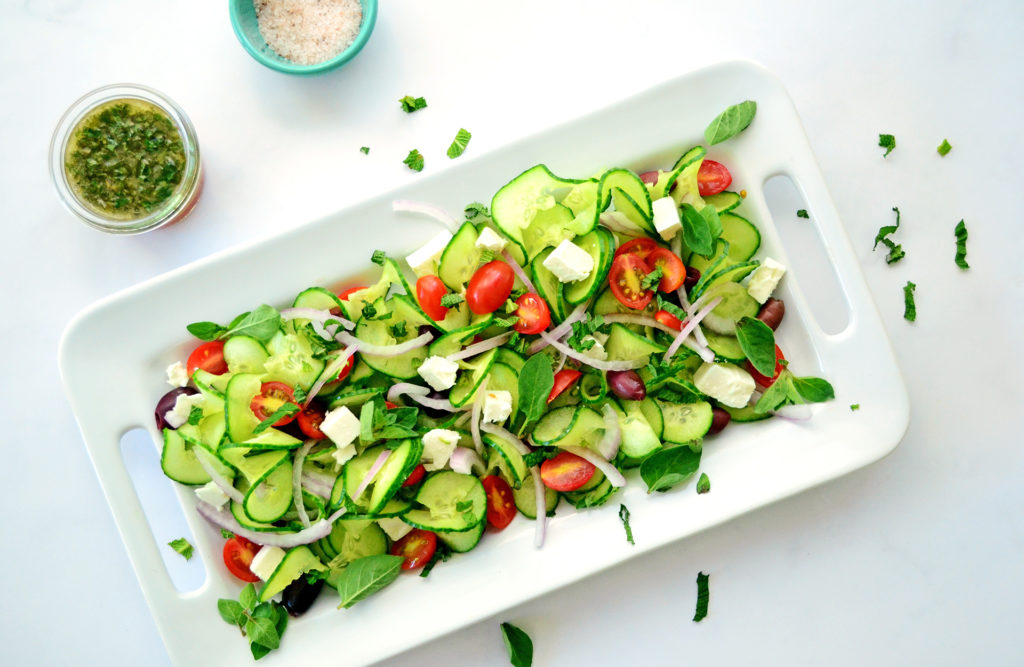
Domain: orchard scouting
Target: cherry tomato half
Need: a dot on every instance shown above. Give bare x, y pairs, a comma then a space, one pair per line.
238, 555
415, 477
712, 178
533, 313
650, 177
429, 291
674, 271
501, 509
766, 381
625, 279
641, 247
271, 397
566, 472
309, 422
346, 369
490, 287
417, 548
344, 295
563, 380
209, 357
669, 320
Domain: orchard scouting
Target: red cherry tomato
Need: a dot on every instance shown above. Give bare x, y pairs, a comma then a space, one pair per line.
209, 357
309, 422
346, 369
490, 287
389, 405
417, 548
641, 247
238, 555
563, 380
344, 295
768, 381
650, 177
416, 476
429, 291
566, 472
501, 509
271, 397
533, 313
712, 178
669, 320
674, 271
625, 279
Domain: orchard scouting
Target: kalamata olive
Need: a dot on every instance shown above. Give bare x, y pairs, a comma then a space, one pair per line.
166, 404
424, 328
772, 312
692, 276
627, 385
719, 420
649, 177
300, 595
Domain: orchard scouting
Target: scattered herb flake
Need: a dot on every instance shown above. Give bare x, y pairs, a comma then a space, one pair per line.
652, 279
414, 160
896, 252
441, 554
730, 122
286, 410
519, 645
452, 299
398, 330
226, 534
703, 596
476, 210
182, 546
888, 142
802, 213
410, 103
194, 415
944, 148
854, 407
378, 257
459, 144
624, 517
365, 150
909, 307
540, 455
961, 245
703, 484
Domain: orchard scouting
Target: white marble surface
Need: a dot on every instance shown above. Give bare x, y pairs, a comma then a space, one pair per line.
914, 560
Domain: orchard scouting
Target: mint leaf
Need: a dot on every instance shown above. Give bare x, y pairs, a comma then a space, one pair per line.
248, 597
414, 160
710, 215
262, 631
231, 611
182, 546
960, 231
652, 279
696, 231
896, 252
854, 407
703, 596
452, 299
286, 410
540, 455
519, 645
365, 576
888, 142
730, 122
260, 324
378, 257
476, 210
398, 330
194, 415
774, 396
703, 483
206, 330
410, 103
802, 213
535, 382
813, 390
459, 144
673, 309
668, 467
365, 150
624, 518
441, 554
757, 340
226, 534
944, 148
909, 307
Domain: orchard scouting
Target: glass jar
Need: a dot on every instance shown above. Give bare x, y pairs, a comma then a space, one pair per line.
172, 208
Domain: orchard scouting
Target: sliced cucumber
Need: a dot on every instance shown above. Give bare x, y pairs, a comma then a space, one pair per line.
724, 201
244, 354
291, 361
555, 425
628, 193
504, 378
681, 184
296, 562
549, 228
652, 413
514, 465
742, 236
453, 341
460, 258
600, 245
349, 541
595, 497
685, 422
550, 288
517, 203
354, 398
241, 422
317, 298
269, 498
639, 440
355, 301
178, 460
733, 273
245, 522
735, 305
385, 482
625, 345
461, 542
745, 414
453, 502
525, 498
469, 380
725, 347
406, 310
593, 388
513, 360
583, 201
378, 332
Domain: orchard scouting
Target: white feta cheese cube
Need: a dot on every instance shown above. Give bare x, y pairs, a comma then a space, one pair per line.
497, 406
177, 376
726, 383
424, 261
569, 262
211, 494
342, 454
490, 240
438, 445
394, 527
439, 372
183, 405
266, 561
765, 279
341, 426
666, 217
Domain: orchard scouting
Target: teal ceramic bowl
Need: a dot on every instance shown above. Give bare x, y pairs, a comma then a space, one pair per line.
243, 20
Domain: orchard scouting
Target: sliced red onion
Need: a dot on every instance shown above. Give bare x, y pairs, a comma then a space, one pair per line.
419, 394
642, 320
223, 484
590, 361
319, 318
382, 458
385, 350
613, 220
429, 210
330, 373
542, 506
300, 458
684, 299
315, 486
502, 432
561, 361
518, 270
610, 471
461, 421
466, 461
223, 519
482, 346
608, 446
689, 326
562, 329
474, 420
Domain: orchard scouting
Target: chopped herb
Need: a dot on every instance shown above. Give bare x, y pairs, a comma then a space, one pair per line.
263, 623
452, 299
398, 330
286, 410
476, 210
365, 576
194, 415
441, 554
665, 304
261, 324
505, 322
791, 390
410, 103
666, 468
961, 245
909, 307
206, 330
582, 333
414, 160
300, 394
459, 144
703, 483
703, 596
624, 517
896, 252
365, 150
226, 534
888, 142
652, 279
182, 546
854, 407
378, 257
519, 645
802, 213
944, 148
540, 455
730, 122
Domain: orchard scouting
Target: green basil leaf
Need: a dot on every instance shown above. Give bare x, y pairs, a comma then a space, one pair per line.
519, 645
248, 597
730, 122
286, 410
365, 576
260, 324
459, 144
696, 231
703, 596
410, 103
414, 160
703, 484
960, 231
258, 650
624, 518
182, 546
536, 380
774, 396
668, 467
909, 306
757, 340
710, 214
231, 611
206, 330
813, 390
262, 631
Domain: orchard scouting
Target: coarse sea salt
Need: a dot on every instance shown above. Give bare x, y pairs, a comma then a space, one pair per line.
308, 32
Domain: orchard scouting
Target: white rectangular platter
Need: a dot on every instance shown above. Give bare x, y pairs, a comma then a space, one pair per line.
126, 342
